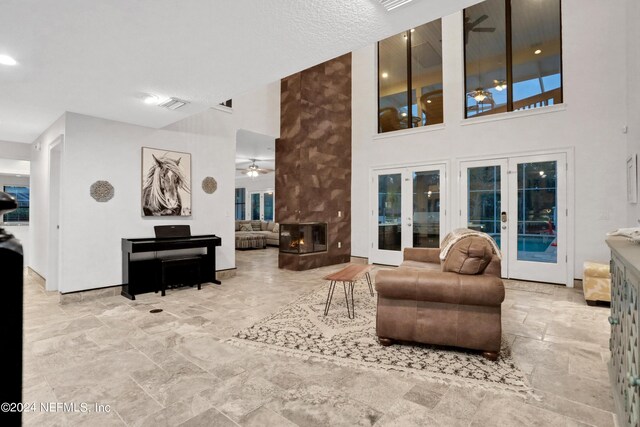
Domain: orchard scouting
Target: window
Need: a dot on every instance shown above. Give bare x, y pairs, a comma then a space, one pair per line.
513, 55
21, 195
410, 78
240, 204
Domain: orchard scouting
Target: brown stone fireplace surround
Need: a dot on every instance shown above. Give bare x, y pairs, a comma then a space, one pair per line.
313, 159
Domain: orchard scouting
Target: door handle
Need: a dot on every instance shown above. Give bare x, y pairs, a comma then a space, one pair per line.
503, 217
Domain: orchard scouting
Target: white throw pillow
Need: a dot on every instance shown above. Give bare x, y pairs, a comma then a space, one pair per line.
246, 227
276, 228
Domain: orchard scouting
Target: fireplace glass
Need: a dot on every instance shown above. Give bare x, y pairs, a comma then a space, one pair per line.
303, 238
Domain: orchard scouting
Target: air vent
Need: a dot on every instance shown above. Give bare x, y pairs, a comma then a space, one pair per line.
173, 103
392, 4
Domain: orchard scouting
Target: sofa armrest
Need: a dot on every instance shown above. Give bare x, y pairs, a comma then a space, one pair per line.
430, 255
443, 287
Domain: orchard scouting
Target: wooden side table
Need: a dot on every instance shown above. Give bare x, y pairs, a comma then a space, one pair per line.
348, 276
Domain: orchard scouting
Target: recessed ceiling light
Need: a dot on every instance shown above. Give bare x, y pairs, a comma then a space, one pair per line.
151, 99
392, 4
19, 176
538, 51
173, 103
7, 60
385, 75
428, 101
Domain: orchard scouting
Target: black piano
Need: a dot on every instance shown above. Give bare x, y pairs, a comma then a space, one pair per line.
157, 273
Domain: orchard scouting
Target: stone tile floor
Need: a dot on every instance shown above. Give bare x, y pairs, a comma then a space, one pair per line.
172, 368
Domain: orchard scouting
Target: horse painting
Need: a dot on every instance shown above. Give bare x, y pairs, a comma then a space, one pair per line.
164, 181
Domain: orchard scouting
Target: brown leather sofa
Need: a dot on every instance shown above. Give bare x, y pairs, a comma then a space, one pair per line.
453, 303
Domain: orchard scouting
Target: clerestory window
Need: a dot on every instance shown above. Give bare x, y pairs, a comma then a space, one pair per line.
513, 56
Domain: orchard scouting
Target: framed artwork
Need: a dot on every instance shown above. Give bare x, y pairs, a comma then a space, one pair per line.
166, 183
632, 179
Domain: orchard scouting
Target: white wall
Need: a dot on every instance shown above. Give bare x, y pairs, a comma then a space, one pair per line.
15, 150
39, 193
633, 87
99, 149
590, 123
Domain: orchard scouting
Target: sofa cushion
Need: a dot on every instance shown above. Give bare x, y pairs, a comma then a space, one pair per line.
255, 224
237, 225
420, 265
270, 225
264, 226
468, 256
245, 227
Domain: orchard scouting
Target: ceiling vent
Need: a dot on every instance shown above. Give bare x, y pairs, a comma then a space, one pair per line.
173, 103
392, 4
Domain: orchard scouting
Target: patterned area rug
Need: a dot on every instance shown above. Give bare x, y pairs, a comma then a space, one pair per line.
301, 330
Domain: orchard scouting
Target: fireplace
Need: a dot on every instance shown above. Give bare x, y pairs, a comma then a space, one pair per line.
303, 238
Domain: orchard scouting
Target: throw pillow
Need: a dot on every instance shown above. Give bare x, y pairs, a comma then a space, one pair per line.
276, 228
468, 256
246, 227
237, 226
264, 226
255, 225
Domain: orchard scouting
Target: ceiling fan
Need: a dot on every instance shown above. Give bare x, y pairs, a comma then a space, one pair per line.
253, 170
473, 26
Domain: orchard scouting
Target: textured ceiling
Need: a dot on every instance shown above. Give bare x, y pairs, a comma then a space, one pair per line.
100, 57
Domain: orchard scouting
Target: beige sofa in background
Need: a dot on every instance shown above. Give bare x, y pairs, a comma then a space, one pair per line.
267, 229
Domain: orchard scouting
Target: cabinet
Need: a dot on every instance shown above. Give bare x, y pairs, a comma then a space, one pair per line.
624, 366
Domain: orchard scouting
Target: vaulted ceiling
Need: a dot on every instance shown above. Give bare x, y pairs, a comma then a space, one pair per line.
102, 57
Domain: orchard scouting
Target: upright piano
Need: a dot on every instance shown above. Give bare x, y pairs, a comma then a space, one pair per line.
155, 272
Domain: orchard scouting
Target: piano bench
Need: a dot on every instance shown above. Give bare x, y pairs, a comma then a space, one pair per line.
180, 270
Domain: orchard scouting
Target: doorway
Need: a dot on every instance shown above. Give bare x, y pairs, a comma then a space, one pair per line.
522, 203
409, 211
55, 193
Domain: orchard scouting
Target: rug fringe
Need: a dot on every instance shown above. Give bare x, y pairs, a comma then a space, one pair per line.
524, 391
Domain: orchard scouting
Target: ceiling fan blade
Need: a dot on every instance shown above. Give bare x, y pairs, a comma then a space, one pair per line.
482, 18
483, 30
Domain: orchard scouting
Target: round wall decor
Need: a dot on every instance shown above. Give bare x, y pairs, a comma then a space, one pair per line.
209, 185
101, 191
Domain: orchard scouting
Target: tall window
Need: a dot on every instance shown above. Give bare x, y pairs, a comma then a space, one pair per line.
410, 78
21, 195
240, 204
513, 55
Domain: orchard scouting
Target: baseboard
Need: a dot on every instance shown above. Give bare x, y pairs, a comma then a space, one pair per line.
226, 274
359, 260
90, 294
110, 291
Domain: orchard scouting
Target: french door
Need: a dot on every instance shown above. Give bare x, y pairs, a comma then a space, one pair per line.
522, 203
408, 211
262, 205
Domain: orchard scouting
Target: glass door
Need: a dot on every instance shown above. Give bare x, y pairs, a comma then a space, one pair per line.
268, 206
408, 211
521, 203
388, 231
484, 186
262, 206
256, 206
537, 229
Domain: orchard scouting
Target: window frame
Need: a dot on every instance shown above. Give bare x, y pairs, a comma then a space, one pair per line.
243, 204
509, 63
409, 91
3, 219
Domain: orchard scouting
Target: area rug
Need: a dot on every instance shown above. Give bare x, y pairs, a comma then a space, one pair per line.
540, 288
300, 329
